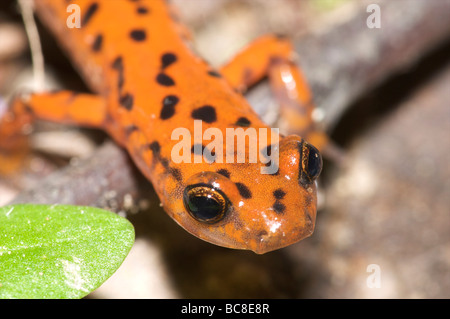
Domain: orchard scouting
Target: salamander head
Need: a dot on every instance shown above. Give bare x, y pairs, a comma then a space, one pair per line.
238, 207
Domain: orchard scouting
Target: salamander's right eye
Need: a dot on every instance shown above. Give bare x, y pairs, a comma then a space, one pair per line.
205, 203
311, 162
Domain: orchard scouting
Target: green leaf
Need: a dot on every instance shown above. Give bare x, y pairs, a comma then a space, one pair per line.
59, 251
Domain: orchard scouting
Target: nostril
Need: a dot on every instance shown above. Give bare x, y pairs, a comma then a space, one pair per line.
260, 246
262, 236
262, 233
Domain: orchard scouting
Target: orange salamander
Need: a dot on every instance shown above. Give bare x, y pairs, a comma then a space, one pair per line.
147, 81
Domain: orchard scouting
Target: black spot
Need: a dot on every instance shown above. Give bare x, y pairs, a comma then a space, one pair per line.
118, 65
142, 10
167, 59
243, 121
155, 148
120, 81
89, 14
267, 151
127, 101
209, 156
168, 109
205, 113
165, 80
130, 129
279, 194
138, 35
279, 207
97, 45
214, 74
244, 191
28, 109
164, 162
195, 149
176, 173
224, 172
276, 173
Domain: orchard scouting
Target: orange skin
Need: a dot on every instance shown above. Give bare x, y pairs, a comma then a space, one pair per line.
147, 82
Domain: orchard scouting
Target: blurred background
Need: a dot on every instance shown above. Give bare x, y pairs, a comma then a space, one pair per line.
383, 226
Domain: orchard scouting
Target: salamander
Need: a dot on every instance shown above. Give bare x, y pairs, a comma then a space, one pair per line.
147, 81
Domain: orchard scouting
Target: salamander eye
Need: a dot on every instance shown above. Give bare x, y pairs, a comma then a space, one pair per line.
205, 203
311, 161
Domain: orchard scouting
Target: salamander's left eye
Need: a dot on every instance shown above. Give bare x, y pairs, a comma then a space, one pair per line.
311, 161
205, 203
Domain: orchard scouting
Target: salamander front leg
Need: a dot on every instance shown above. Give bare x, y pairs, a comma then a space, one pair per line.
62, 107
274, 57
